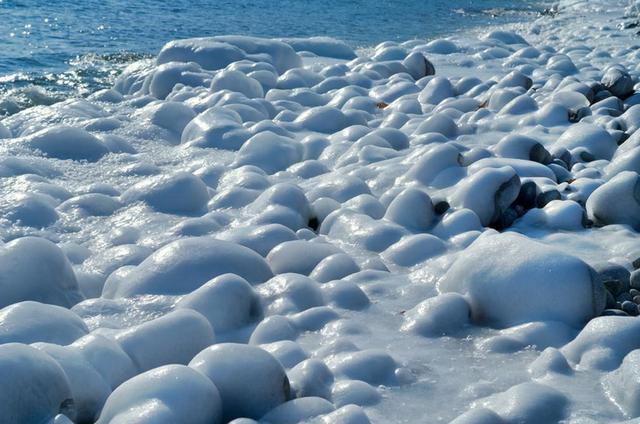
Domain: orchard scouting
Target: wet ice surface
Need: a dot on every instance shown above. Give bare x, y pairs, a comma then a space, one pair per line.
245, 229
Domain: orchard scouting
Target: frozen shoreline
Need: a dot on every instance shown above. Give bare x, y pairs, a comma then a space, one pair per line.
409, 247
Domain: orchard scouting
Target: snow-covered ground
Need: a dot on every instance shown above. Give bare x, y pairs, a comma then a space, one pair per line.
284, 231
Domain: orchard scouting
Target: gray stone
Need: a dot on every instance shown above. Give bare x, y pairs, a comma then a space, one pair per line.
610, 271
618, 82
544, 198
630, 308
634, 280
614, 312
539, 154
624, 297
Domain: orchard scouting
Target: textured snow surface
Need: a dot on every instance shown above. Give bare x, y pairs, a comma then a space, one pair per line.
285, 231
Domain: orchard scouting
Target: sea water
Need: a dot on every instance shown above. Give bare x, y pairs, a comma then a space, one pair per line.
54, 49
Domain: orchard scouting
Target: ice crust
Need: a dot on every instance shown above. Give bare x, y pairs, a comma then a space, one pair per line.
284, 231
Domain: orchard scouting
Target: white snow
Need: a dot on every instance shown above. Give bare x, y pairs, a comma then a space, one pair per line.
251, 382
531, 283
248, 230
164, 395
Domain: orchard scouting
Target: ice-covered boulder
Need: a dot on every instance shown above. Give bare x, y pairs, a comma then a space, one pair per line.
274, 329
623, 384
238, 82
323, 119
373, 366
33, 268
334, 267
65, 142
510, 279
33, 210
592, 138
412, 208
440, 159
488, 193
251, 382
436, 90
520, 146
35, 388
557, 214
90, 204
418, 66
181, 193
30, 322
164, 395
88, 387
529, 403
311, 378
174, 338
362, 230
356, 392
439, 315
261, 239
184, 265
269, 152
604, 342
228, 302
163, 79
216, 128
173, 116
506, 37
217, 52
322, 46
617, 201
299, 256
106, 357
414, 249
618, 82
537, 335
299, 410
290, 292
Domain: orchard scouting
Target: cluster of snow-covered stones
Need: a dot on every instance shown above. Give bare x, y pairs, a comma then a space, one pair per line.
282, 231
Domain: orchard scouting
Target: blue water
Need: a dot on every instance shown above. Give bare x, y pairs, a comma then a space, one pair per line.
77, 46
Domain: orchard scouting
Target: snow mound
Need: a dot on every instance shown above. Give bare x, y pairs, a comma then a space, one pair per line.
181, 193
28, 368
439, 315
65, 142
251, 382
322, 46
25, 262
269, 152
557, 286
174, 338
604, 342
214, 53
488, 193
215, 128
228, 302
623, 384
529, 403
184, 265
617, 201
30, 322
164, 395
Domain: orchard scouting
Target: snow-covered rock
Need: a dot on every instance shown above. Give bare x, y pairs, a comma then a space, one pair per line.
33, 268
168, 394
28, 368
557, 286
184, 265
251, 382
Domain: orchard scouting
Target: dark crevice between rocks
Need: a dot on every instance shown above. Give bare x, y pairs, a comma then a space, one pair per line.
314, 224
